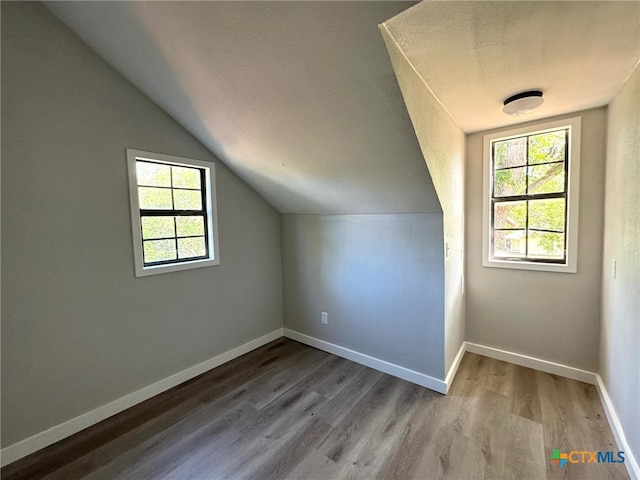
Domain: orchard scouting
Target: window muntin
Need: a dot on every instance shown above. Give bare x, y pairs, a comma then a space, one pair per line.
529, 197
505, 199
173, 212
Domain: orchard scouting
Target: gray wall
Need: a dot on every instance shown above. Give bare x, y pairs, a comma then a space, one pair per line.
78, 329
380, 279
442, 144
548, 315
620, 334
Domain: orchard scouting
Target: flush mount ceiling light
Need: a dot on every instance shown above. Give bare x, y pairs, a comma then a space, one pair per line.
523, 103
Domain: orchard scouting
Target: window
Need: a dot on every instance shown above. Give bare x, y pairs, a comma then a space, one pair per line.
173, 213
531, 197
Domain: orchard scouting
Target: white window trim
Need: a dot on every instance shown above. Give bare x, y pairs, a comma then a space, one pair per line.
212, 213
574, 125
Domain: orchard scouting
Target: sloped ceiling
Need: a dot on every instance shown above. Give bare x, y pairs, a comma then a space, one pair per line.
298, 98
473, 55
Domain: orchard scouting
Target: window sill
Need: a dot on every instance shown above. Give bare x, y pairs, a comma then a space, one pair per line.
537, 266
175, 267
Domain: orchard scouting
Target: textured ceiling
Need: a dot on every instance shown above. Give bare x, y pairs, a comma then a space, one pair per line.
298, 98
473, 55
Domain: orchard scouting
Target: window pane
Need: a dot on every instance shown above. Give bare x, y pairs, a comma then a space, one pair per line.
510, 215
154, 198
187, 199
188, 226
191, 247
510, 153
186, 177
153, 174
510, 182
157, 227
547, 147
546, 245
546, 178
159, 250
509, 243
547, 214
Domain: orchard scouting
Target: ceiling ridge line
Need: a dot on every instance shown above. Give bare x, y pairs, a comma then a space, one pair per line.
633, 70
424, 82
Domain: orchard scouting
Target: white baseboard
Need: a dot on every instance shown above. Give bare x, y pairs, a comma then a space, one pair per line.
630, 461
454, 366
44, 439
381, 365
532, 362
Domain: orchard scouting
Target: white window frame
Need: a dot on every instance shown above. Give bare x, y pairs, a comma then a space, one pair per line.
212, 213
570, 265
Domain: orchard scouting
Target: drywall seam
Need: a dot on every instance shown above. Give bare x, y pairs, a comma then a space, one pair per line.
54, 434
616, 427
381, 365
533, 362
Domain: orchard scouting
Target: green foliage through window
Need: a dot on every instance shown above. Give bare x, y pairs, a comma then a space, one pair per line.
529, 197
173, 216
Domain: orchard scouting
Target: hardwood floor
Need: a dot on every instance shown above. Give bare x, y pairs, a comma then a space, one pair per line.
290, 411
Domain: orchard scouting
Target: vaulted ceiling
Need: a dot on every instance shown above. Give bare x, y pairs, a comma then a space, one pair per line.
300, 99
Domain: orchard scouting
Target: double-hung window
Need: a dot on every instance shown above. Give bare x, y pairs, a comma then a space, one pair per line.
173, 212
531, 197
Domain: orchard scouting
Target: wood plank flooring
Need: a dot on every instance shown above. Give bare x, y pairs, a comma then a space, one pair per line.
290, 411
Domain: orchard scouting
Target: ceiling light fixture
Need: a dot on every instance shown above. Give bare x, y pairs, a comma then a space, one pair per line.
523, 103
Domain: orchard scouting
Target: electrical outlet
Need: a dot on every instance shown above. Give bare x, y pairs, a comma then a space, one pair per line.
324, 318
